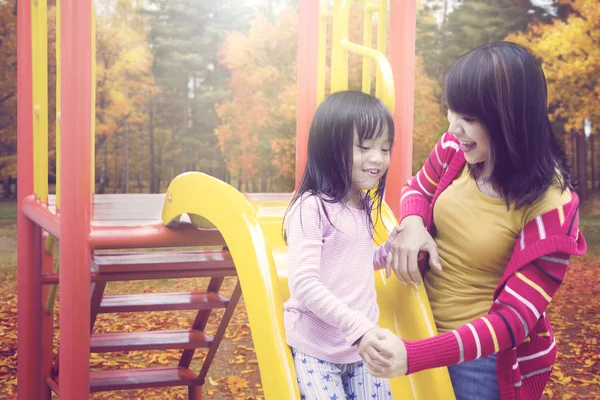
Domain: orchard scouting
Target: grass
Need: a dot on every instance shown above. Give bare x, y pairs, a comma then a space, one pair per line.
590, 226
8, 241
8, 213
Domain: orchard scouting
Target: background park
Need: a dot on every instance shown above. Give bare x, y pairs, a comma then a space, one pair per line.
204, 85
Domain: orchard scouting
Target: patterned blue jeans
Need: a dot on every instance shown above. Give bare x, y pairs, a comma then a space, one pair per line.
320, 380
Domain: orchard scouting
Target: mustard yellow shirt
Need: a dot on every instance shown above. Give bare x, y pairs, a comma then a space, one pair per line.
475, 235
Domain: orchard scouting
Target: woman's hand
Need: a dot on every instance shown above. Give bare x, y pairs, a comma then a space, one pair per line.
372, 351
393, 234
405, 248
398, 362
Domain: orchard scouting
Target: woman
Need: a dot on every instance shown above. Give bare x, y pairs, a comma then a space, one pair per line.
493, 207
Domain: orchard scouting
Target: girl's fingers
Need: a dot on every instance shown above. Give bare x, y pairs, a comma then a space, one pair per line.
373, 368
378, 359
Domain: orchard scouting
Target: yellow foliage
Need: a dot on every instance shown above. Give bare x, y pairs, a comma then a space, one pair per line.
428, 120
257, 131
570, 57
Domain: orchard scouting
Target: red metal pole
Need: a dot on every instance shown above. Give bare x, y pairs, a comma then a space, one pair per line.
402, 59
75, 192
29, 305
47, 321
308, 47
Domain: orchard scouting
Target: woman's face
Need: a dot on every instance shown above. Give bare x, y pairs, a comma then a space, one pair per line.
473, 138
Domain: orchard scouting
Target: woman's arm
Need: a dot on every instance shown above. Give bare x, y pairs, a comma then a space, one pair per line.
513, 315
415, 202
418, 192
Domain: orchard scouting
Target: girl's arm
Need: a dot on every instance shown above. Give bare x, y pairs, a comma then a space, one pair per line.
381, 252
305, 229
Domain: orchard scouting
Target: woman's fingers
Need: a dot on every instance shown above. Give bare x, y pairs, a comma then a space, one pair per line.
434, 256
402, 264
388, 265
413, 267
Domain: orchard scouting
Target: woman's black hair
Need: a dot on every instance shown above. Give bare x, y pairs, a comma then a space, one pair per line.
503, 86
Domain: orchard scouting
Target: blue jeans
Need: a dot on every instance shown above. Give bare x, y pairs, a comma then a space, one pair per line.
476, 379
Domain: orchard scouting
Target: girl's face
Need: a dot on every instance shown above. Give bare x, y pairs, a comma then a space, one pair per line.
473, 138
370, 160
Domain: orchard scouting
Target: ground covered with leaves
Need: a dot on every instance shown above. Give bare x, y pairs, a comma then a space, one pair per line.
574, 313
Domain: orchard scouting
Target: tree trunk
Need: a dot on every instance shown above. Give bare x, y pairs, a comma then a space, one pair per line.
140, 160
581, 167
139, 182
102, 184
125, 186
442, 63
151, 141
157, 183
239, 180
117, 175
6, 186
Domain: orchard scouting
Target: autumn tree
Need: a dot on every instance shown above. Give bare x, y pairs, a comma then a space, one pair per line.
428, 122
8, 93
257, 133
570, 57
185, 36
124, 85
446, 29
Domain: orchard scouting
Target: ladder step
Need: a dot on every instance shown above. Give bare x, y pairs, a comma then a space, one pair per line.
154, 340
154, 261
162, 302
125, 379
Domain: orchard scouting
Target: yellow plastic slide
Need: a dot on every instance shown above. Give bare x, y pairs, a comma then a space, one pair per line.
252, 228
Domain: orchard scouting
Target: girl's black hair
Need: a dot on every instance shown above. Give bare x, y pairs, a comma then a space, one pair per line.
503, 86
328, 171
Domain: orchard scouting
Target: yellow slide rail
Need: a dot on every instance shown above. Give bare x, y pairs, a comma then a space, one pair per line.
207, 199
252, 231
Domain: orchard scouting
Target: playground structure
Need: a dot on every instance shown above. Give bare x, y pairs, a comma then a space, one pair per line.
197, 210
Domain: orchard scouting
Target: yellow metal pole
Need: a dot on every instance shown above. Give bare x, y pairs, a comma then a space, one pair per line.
57, 104
382, 33
39, 37
383, 65
339, 55
35, 27
367, 42
93, 132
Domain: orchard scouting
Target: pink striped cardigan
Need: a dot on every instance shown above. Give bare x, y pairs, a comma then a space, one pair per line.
516, 327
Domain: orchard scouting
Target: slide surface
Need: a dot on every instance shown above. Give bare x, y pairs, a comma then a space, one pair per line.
252, 228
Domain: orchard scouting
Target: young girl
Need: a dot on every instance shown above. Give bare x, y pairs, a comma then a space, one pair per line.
495, 197
329, 232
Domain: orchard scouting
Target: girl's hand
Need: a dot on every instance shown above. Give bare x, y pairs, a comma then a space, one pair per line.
399, 361
372, 351
405, 248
